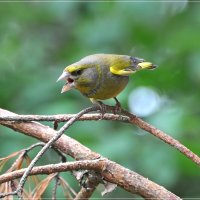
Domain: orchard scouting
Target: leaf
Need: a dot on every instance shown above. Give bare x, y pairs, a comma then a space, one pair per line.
28, 160
18, 163
6, 188
10, 156
66, 188
2, 188
35, 180
109, 187
5, 159
39, 190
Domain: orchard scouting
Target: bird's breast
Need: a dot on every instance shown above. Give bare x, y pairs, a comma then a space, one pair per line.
107, 85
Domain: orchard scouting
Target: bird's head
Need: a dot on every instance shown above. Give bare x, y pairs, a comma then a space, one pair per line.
77, 75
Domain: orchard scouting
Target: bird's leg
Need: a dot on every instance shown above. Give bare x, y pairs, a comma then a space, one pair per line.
118, 107
102, 108
101, 105
117, 102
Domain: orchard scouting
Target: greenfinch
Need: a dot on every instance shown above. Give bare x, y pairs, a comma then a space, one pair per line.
102, 76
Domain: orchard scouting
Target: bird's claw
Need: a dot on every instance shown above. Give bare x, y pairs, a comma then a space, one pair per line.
102, 109
117, 108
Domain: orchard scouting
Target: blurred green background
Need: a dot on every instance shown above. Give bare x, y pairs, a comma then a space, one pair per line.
37, 40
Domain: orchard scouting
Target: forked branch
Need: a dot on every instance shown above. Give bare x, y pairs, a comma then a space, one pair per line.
112, 172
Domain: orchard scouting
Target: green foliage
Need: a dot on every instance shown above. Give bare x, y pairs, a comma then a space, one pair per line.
39, 39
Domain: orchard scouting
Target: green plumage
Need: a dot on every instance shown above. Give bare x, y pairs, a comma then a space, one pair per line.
102, 76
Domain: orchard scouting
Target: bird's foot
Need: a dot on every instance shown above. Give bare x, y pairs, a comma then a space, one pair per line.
102, 109
117, 108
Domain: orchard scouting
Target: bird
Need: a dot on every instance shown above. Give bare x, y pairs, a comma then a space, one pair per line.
102, 76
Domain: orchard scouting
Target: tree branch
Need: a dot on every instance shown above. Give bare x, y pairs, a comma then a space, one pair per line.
44, 133
47, 145
126, 117
109, 170
115, 173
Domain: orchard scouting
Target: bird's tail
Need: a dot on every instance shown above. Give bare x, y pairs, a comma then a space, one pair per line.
146, 65
139, 64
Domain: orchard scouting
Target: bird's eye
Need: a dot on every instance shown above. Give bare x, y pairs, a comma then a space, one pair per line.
76, 73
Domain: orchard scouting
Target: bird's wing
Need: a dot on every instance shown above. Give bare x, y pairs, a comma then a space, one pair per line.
125, 68
118, 70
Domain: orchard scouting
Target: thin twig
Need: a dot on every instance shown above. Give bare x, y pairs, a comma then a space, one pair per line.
33, 146
54, 190
126, 117
64, 117
47, 145
62, 156
24, 153
85, 193
163, 136
110, 171
123, 177
2, 195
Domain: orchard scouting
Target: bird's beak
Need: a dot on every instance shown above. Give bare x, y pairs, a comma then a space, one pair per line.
69, 82
63, 76
66, 88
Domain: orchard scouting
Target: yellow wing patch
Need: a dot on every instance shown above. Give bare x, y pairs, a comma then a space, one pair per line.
119, 69
122, 72
146, 65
